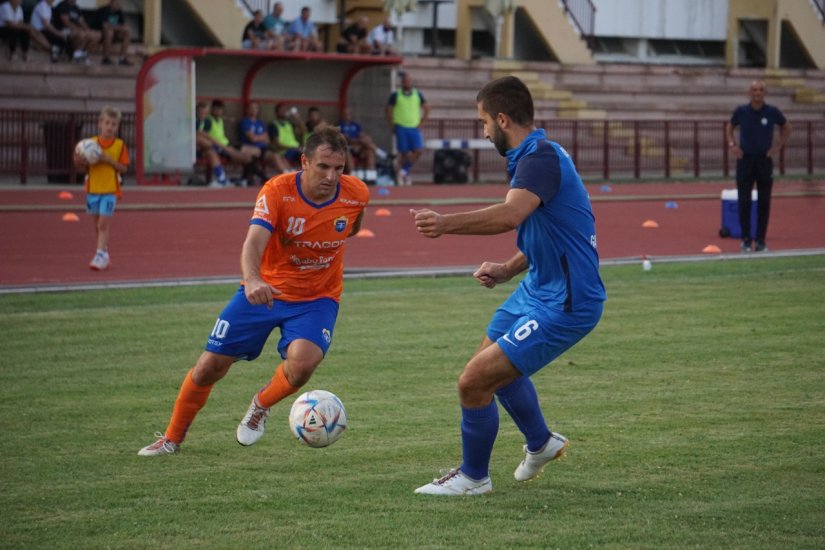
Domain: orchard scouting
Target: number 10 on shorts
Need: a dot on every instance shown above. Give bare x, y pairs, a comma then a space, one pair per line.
220, 329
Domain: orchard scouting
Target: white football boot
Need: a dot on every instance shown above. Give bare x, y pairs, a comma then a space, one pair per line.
534, 463
252, 427
455, 483
162, 446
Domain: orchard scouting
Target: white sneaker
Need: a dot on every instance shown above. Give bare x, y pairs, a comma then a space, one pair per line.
455, 483
252, 427
162, 446
534, 463
100, 261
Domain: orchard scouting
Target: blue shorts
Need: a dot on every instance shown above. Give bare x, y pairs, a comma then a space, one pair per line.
101, 205
242, 329
408, 139
531, 334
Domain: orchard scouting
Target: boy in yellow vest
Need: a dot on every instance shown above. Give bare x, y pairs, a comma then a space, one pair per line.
103, 180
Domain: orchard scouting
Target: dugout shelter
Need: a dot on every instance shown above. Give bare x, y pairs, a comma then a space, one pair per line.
172, 81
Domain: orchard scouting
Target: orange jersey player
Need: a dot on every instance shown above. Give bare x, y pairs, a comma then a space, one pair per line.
304, 256
292, 264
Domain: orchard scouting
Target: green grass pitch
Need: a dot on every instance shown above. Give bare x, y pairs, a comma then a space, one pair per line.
695, 413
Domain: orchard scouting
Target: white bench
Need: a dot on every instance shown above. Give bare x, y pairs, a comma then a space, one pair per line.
458, 144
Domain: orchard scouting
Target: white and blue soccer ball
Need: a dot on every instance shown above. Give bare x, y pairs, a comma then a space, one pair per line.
318, 418
89, 149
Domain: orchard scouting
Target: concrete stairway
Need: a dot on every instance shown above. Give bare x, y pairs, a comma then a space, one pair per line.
40, 85
617, 92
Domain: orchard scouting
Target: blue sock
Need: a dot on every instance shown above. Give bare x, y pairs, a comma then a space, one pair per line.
220, 174
479, 428
519, 399
407, 166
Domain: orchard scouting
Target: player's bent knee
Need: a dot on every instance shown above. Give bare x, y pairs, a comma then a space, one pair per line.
211, 367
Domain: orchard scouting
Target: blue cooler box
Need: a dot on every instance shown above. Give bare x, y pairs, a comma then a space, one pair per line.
730, 213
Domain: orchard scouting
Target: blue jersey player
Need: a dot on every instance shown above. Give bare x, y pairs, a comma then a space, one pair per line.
557, 303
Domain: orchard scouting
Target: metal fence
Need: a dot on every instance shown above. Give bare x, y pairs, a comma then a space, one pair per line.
583, 14
635, 149
40, 143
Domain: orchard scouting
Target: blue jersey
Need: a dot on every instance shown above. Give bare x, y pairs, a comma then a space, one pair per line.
559, 237
756, 127
350, 129
258, 128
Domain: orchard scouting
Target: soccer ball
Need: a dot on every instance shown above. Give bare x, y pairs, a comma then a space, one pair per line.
89, 149
318, 418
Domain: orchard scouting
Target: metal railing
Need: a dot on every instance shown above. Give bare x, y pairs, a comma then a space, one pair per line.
254, 5
583, 14
40, 143
638, 149
820, 6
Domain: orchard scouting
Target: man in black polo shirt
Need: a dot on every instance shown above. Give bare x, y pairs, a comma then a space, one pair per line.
754, 159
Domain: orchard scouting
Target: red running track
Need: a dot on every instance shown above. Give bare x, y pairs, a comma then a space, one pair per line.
183, 233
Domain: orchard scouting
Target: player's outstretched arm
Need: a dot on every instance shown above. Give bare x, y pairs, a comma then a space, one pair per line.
257, 291
492, 220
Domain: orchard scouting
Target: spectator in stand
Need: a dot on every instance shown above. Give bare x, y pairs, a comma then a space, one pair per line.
255, 142
354, 38
44, 33
302, 33
14, 29
382, 37
213, 128
287, 133
112, 25
362, 148
406, 111
68, 19
276, 26
254, 34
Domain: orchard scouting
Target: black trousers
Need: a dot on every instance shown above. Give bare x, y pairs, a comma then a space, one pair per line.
758, 169
15, 37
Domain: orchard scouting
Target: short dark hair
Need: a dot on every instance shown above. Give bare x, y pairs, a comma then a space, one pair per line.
217, 103
508, 95
329, 136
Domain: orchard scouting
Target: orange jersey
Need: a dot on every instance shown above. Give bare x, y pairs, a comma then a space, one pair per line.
304, 258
